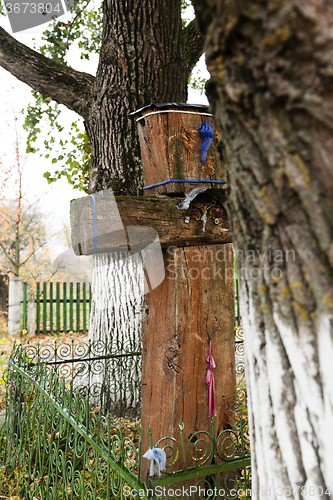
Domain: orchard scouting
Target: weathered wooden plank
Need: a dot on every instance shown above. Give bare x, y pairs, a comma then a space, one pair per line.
174, 227
193, 305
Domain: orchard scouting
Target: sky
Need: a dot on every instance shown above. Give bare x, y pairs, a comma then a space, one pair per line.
14, 96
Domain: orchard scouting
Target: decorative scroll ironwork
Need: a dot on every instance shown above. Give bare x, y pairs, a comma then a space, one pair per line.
109, 373
222, 462
240, 367
75, 440
66, 447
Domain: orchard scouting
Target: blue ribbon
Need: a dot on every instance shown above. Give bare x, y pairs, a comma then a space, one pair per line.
95, 229
207, 135
191, 181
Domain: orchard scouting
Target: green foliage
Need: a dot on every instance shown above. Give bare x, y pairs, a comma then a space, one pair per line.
197, 82
83, 29
186, 4
11, 481
76, 172
74, 153
42, 107
84, 25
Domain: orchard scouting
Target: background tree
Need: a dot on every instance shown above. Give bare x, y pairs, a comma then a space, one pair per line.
272, 91
146, 54
25, 241
22, 234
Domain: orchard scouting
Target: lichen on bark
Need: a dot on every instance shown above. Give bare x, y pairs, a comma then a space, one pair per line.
271, 90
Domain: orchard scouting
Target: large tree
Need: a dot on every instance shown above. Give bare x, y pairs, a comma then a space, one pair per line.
271, 89
146, 55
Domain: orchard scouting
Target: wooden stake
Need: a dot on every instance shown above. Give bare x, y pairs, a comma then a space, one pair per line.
192, 306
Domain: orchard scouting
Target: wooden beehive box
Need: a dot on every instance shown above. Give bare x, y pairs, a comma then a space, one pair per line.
170, 147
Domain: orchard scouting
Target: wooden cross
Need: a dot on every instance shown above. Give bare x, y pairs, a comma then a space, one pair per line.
195, 302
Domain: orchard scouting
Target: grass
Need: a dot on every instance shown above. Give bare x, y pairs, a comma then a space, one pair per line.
12, 481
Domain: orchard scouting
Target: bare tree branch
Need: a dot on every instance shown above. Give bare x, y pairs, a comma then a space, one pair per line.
10, 222
7, 255
61, 83
41, 245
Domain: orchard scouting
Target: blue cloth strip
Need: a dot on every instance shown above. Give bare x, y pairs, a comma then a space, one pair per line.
207, 135
179, 180
95, 228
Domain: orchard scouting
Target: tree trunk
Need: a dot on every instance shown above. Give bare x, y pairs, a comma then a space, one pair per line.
142, 60
271, 90
146, 56
117, 291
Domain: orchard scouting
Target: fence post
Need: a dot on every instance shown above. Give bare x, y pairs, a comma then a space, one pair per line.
84, 294
38, 307
64, 304
44, 307
31, 312
51, 307
14, 306
58, 306
24, 303
71, 287
78, 306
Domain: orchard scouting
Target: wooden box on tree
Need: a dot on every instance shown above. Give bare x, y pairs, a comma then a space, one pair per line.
170, 147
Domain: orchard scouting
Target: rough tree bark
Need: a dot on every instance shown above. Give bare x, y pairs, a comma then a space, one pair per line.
146, 56
271, 89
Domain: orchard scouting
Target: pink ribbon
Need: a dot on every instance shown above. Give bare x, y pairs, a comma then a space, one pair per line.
210, 382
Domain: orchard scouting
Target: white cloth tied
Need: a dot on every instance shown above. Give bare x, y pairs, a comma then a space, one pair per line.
157, 459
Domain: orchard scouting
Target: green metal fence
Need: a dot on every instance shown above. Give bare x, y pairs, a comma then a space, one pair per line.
65, 307
60, 307
74, 438
239, 345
